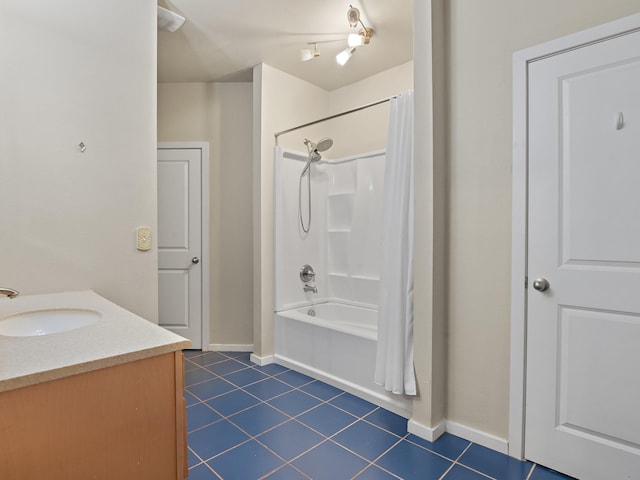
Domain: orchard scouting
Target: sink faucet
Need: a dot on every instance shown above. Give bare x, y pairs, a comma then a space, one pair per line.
8, 292
309, 288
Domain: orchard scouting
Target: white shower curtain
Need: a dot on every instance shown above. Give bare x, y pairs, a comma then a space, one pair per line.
394, 356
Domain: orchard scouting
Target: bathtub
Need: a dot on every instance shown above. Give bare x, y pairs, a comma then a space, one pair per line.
335, 343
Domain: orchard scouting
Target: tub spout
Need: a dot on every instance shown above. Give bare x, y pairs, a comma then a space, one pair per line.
310, 288
8, 292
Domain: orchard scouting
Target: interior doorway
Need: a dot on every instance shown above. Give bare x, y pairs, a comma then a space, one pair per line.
183, 240
576, 263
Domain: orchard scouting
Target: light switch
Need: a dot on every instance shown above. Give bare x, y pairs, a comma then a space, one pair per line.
144, 238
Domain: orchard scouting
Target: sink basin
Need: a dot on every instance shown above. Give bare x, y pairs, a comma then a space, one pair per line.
45, 322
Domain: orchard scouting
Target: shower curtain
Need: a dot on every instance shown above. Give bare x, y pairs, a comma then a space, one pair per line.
394, 355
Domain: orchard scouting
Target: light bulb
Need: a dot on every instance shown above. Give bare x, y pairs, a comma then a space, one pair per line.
344, 56
355, 40
307, 54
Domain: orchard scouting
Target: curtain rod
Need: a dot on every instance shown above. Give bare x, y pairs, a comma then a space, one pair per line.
357, 109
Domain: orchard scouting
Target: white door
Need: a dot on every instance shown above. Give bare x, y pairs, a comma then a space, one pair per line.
583, 332
180, 242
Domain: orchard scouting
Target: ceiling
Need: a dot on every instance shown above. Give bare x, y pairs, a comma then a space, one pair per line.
223, 39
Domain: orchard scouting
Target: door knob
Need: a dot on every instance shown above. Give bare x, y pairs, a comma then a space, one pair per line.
541, 284
195, 260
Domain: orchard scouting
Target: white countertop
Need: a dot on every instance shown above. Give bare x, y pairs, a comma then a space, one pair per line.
118, 337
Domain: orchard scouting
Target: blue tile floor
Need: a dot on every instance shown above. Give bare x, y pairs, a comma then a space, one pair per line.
248, 422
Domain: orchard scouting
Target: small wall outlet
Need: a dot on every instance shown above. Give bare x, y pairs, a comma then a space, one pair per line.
144, 238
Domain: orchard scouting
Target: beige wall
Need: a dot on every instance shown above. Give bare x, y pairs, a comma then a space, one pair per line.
366, 130
482, 37
69, 219
221, 114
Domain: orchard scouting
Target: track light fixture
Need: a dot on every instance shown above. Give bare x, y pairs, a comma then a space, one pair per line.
363, 37
307, 54
344, 56
353, 16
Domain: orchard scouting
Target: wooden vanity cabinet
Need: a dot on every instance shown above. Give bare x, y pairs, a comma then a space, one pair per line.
123, 422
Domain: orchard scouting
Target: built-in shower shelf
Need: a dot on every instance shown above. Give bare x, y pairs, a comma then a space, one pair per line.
355, 277
366, 277
341, 194
340, 212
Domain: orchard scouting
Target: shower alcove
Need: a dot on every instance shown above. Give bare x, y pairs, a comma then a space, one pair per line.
331, 335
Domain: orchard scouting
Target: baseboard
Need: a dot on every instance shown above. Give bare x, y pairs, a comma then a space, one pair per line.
476, 436
430, 434
261, 361
228, 347
394, 406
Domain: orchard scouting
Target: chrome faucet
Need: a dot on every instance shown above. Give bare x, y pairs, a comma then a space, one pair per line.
8, 292
310, 288
307, 276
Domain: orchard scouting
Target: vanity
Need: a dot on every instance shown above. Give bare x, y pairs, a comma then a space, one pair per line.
99, 397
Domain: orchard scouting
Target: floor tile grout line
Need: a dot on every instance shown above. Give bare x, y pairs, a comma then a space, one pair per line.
458, 461
212, 363
261, 401
244, 367
202, 462
364, 419
287, 464
224, 452
228, 419
274, 377
255, 437
357, 418
463, 452
196, 455
533, 467
290, 417
453, 464
257, 440
374, 462
440, 454
215, 396
307, 477
322, 402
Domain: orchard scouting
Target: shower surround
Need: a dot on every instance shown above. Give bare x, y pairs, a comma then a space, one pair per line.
336, 341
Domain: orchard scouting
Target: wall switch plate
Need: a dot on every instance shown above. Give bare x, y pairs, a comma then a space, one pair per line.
144, 239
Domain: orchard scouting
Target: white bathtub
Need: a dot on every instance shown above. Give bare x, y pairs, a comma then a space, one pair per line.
337, 346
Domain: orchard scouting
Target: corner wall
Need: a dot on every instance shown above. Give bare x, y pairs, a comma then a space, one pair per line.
221, 114
281, 101
69, 219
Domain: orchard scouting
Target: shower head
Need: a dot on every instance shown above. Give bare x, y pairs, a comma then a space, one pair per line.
324, 145
314, 149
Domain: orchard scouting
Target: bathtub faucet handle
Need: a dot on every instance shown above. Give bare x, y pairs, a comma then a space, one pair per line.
307, 274
310, 288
